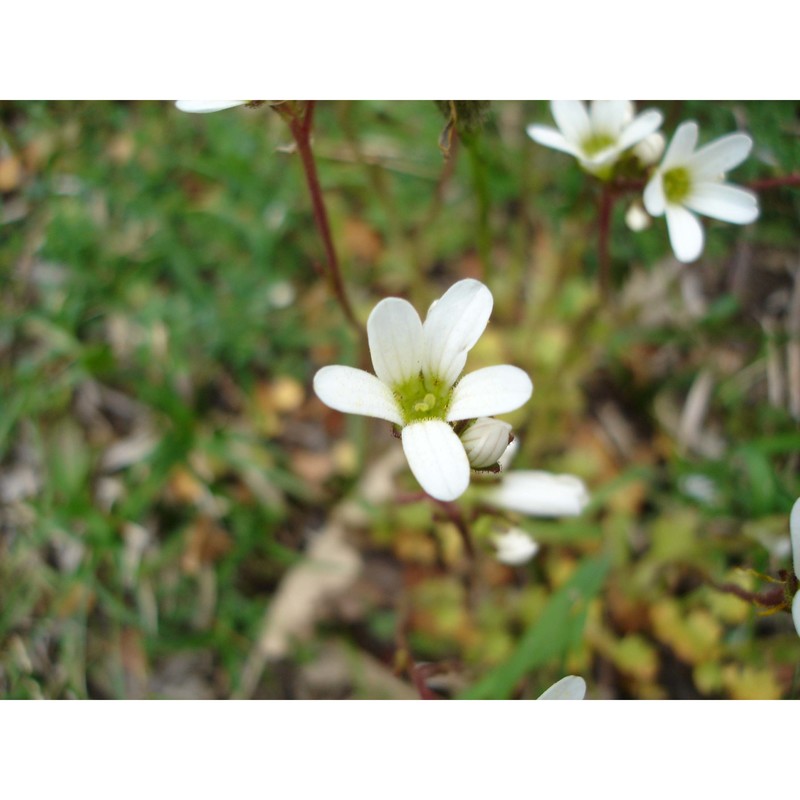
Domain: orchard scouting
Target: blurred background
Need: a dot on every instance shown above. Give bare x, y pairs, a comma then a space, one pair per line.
180, 517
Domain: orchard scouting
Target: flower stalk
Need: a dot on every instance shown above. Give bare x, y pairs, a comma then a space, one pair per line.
299, 116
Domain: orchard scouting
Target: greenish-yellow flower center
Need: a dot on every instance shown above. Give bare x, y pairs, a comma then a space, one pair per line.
423, 397
596, 143
677, 183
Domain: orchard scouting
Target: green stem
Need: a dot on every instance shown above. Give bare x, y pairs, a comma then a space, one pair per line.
477, 163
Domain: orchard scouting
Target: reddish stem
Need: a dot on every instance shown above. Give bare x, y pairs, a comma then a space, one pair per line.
772, 598
774, 183
607, 198
300, 123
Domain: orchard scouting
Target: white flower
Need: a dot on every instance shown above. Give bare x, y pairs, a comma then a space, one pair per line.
598, 137
692, 181
794, 532
485, 441
418, 386
207, 106
515, 547
540, 494
570, 688
794, 529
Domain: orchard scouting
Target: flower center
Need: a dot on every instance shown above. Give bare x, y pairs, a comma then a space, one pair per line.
677, 183
423, 397
596, 143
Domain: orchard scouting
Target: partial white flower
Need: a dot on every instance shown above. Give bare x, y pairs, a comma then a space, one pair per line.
485, 441
650, 149
418, 384
636, 218
540, 494
794, 535
794, 530
515, 547
599, 136
207, 106
690, 181
796, 612
570, 688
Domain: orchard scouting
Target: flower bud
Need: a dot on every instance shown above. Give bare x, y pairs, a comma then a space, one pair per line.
485, 441
515, 547
636, 218
649, 150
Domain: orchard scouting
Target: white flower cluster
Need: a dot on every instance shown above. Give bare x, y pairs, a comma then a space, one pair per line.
687, 182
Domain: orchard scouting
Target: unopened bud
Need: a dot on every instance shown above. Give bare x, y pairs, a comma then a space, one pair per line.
649, 150
485, 441
636, 218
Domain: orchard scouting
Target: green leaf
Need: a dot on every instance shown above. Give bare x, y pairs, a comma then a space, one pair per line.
551, 636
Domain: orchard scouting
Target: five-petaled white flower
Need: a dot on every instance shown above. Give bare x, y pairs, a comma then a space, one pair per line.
599, 136
207, 106
794, 529
515, 547
692, 181
418, 384
570, 688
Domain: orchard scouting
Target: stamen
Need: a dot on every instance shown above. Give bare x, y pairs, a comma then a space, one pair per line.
677, 184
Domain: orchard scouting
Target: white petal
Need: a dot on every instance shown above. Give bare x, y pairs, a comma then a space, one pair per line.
654, 198
486, 441
572, 120
395, 340
207, 106
510, 454
723, 201
490, 391
685, 233
610, 116
796, 612
550, 137
515, 547
719, 156
570, 688
794, 530
356, 392
540, 494
643, 126
681, 147
437, 458
453, 325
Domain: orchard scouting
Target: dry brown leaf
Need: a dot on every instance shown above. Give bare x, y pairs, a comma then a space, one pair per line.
338, 672
313, 468
206, 542
330, 568
360, 241
11, 172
